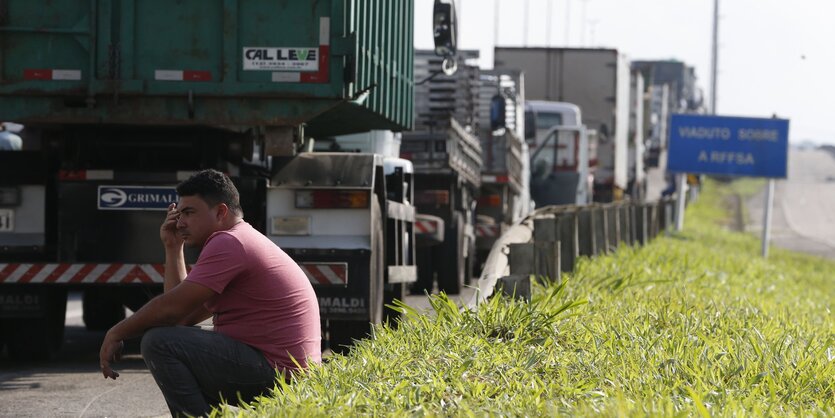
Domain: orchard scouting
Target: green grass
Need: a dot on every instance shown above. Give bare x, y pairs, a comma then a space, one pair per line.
694, 324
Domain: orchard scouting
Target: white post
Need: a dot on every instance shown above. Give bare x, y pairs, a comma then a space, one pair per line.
682, 197
769, 202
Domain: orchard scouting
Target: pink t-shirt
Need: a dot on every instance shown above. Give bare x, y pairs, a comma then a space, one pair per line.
263, 299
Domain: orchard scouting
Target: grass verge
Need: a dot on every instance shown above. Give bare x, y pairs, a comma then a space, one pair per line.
692, 324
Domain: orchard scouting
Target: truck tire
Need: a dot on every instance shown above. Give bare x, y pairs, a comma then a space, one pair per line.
343, 333
37, 339
450, 258
102, 308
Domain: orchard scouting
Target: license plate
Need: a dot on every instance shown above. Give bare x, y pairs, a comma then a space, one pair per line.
6, 220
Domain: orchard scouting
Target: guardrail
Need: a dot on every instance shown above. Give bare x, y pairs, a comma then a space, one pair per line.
549, 241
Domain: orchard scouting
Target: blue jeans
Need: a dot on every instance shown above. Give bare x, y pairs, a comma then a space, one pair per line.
196, 369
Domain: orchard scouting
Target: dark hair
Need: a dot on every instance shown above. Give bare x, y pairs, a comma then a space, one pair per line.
213, 187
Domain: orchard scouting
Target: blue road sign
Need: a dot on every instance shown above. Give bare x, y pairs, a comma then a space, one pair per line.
136, 197
703, 144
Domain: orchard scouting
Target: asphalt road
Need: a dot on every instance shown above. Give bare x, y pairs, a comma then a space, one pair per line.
803, 217
72, 385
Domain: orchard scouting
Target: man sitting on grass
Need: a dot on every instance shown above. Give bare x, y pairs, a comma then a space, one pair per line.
266, 316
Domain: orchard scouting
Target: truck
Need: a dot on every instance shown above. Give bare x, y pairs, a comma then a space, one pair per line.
504, 196
447, 157
121, 100
596, 80
672, 88
564, 154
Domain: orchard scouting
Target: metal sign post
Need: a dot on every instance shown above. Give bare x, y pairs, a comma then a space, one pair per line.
769, 203
681, 179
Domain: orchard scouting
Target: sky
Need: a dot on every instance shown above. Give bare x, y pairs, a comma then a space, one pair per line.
775, 56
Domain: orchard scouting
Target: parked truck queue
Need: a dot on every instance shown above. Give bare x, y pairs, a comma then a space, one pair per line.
379, 168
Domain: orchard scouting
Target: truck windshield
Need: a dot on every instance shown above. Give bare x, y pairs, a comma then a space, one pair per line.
546, 121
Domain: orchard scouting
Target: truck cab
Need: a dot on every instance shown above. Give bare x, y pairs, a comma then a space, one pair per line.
344, 212
562, 155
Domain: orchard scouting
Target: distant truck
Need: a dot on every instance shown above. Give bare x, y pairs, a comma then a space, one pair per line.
504, 196
447, 158
596, 80
672, 89
563, 153
122, 100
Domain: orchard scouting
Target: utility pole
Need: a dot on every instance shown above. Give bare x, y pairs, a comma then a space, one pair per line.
714, 61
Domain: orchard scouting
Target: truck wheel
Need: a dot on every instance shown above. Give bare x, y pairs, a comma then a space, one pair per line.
36, 339
450, 259
343, 333
102, 308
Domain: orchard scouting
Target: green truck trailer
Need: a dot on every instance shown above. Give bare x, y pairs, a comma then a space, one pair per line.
121, 99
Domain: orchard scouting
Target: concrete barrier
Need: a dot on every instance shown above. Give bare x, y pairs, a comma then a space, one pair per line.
585, 232
549, 241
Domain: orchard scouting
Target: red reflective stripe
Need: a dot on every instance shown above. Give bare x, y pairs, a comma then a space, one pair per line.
57, 273
7, 271
339, 271
82, 273
314, 271
428, 226
425, 227
37, 74
137, 274
196, 75
72, 175
108, 273
501, 179
34, 270
159, 268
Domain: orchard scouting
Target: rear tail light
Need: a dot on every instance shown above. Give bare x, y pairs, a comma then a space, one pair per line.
490, 201
432, 197
77, 175
332, 199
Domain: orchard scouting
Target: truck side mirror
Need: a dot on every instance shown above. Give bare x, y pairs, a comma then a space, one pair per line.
498, 113
445, 32
444, 27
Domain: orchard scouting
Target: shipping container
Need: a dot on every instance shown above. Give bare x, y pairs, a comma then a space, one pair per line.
340, 66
